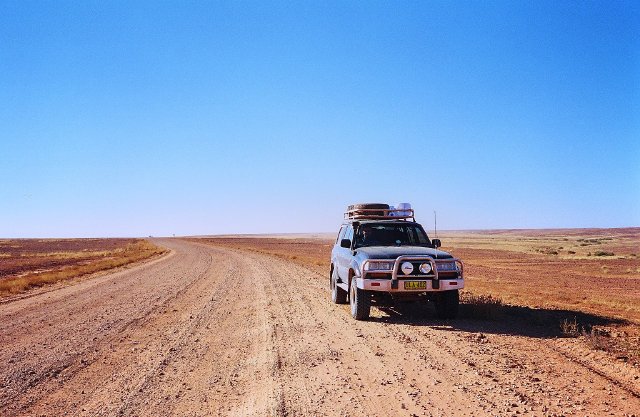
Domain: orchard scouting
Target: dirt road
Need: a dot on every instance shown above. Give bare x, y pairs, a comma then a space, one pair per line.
212, 331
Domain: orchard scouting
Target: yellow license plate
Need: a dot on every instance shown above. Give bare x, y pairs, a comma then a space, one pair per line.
415, 285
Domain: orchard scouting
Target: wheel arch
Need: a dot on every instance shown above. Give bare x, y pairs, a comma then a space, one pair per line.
351, 275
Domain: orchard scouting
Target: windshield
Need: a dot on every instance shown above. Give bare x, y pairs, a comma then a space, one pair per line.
394, 234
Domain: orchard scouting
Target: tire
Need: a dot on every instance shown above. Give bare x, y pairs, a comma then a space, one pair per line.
360, 302
369, 206
447, 304
338, 295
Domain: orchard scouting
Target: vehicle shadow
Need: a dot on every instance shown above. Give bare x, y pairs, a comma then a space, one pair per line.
504, 319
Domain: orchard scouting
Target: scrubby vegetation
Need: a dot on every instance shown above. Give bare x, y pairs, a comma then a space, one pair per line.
66, 260
480, 306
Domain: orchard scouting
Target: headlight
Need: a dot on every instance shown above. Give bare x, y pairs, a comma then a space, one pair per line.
406, 268
425, 268
446, 266
378, 266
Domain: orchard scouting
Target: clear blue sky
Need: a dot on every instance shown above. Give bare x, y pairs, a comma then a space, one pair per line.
127, 118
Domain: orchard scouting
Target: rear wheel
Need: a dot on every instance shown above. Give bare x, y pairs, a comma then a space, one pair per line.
338, 295
360, 301
447, 303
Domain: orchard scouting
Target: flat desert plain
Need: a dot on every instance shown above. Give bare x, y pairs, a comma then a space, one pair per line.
245, 326
30, 263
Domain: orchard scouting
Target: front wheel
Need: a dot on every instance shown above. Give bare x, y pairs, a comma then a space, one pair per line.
447, 303
360, 302
338, 295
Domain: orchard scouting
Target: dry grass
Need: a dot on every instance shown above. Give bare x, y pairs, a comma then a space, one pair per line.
480, 307
570, 327
550, 268
31, 269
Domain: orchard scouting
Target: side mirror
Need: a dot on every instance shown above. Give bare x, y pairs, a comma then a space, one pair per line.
345, 243
436, 243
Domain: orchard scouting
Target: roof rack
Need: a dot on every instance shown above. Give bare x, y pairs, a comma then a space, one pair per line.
379, 214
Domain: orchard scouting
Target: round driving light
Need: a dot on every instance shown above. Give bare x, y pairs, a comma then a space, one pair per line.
425, 268
406, 268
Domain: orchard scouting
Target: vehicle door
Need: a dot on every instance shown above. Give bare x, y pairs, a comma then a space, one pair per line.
335, 251
344, 255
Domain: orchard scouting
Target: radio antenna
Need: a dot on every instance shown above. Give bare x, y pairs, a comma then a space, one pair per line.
435, 223
435, 228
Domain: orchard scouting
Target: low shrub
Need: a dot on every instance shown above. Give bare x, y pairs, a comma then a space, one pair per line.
570, 328
482, 306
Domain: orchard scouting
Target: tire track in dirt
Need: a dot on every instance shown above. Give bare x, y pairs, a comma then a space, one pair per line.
357, 379
618, 373
217, 331
181, 360
42, 337
486, 367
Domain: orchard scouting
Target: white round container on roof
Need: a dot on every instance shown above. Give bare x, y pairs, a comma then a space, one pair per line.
404, 209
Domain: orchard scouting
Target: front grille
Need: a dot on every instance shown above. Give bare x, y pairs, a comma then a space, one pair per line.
378, 275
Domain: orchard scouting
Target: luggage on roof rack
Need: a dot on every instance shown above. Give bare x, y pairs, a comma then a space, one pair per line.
378, 211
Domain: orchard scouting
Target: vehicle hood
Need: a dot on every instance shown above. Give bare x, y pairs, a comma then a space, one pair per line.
390, 252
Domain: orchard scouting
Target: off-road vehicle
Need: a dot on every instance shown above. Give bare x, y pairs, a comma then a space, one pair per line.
383, 256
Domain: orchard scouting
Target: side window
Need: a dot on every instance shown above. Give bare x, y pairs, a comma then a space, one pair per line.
340, 234
349, 234
418, 236
422, 237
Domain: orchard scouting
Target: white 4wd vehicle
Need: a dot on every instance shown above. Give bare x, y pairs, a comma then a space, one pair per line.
382, 255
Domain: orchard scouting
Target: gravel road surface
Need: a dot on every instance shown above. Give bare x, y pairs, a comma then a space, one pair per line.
208, 331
